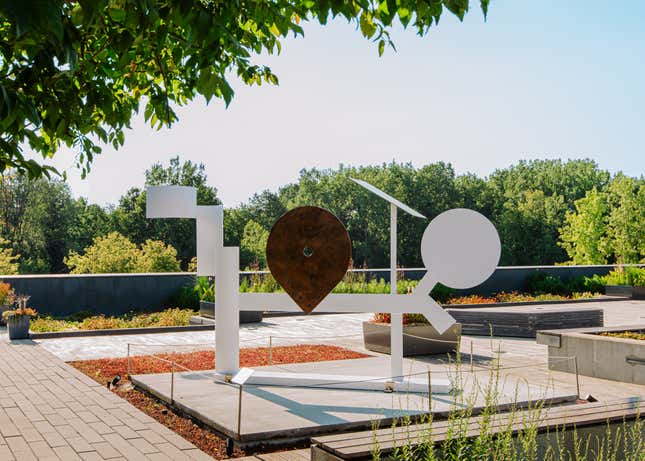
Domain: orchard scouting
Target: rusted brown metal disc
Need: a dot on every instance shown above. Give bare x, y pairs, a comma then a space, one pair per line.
308, 253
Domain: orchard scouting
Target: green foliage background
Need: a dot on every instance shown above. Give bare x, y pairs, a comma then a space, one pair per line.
546, 211
76, 73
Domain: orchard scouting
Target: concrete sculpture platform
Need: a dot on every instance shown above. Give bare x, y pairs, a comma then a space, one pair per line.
277, 414
525, 321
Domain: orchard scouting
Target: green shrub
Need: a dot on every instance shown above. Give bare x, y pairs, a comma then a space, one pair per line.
42, 324
594, 284
637, 277
156, 256
540, 283
186, 297
260, 283
633, 276
442, 293
204, 289
165, 318
114, 253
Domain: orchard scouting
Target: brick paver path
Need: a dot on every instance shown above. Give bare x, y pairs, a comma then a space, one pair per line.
51, 411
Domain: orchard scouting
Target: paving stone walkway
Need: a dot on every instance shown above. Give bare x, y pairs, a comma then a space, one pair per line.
51, 411
344, 330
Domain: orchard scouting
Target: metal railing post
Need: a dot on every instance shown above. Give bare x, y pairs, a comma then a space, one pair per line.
172, 383
128, 360
239, 414
429, 390
270, 350
575, 365
471, 356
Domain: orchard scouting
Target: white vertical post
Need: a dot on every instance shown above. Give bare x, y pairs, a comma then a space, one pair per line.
227, 311
396, 320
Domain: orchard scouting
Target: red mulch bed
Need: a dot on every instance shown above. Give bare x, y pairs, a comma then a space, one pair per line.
104, 370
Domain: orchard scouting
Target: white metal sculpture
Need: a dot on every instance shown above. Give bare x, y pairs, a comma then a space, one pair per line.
460, 248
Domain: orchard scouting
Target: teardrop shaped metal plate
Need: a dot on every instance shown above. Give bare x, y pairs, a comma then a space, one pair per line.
308, 253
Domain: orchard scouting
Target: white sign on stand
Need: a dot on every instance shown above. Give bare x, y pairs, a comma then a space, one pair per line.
460, 248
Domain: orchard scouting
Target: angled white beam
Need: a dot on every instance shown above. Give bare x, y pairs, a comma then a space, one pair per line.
387, 197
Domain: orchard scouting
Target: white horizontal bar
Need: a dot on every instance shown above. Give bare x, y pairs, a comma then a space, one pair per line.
333, 303
382, 303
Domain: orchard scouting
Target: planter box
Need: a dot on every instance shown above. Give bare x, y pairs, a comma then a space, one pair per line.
207, 309
619, 290
18, 327
638, 293
525, 321
417, 339
606, 357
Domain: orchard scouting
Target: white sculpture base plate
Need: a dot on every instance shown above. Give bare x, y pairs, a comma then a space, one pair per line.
248, 376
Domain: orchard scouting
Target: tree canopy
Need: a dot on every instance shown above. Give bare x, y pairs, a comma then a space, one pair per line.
75, 73
607, 225
546, 212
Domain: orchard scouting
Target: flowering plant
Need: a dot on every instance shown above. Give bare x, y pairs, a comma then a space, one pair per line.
19, 312
7, 295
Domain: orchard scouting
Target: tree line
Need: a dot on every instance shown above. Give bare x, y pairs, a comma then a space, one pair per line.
546, 212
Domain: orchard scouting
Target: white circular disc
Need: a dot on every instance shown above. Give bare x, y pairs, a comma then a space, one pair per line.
460, 248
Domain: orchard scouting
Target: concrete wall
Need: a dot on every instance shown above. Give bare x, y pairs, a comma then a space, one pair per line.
108, 294
605, 357
118, 293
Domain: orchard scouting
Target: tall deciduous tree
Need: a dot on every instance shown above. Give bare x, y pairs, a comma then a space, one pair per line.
608, 225
8, 260
626, 197
253, 245
584, 234
35, 216
76, 72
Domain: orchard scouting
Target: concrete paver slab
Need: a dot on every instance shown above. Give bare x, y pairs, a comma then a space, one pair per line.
286, 412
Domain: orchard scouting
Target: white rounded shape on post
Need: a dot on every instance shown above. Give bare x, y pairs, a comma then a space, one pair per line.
460, 248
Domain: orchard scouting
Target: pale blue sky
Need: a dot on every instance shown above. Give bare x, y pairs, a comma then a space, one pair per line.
539, 79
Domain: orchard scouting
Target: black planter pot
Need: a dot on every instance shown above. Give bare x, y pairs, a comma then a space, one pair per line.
638, 293
619, 290
18, 327
417, 339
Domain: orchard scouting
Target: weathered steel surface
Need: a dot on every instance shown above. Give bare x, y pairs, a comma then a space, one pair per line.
308, 252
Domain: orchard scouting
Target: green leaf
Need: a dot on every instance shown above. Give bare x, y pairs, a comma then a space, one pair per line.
484, 5
457, 7
381, 47
368, 28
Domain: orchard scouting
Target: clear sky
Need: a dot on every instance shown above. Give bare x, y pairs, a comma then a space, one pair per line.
539, 79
